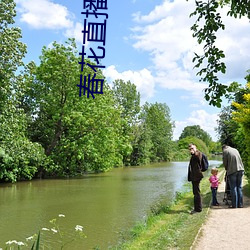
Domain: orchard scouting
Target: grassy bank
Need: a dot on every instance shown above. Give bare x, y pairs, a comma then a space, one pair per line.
170, 227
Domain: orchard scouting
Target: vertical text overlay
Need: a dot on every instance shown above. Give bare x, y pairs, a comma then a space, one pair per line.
95, 33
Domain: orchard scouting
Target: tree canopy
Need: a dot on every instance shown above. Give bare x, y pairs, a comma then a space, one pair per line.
205, 29
196, 131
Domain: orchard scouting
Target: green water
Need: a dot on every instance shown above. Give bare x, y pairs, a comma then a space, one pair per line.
105, 204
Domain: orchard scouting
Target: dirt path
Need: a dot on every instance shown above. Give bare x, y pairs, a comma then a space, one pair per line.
225, 228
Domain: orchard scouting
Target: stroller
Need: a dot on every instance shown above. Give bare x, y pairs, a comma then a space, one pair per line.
227, 195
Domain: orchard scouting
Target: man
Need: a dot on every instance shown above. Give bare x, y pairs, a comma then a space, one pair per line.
195, 175
235, 170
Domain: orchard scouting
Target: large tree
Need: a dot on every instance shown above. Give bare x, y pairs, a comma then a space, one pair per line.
207, 25
196, 131
128, 100
227, 127
12, 51
19, 157
78, 133
157, 122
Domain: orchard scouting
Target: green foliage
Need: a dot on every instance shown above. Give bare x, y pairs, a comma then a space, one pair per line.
233, 123
215, 147
227, 127
242, 117
201, 146
20, 157
36, 243
79, 134
142, 145
12, 50
127, 99
196, 131
205, 28
156, 120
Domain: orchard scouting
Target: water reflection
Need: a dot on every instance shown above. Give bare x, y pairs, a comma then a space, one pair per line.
105, 204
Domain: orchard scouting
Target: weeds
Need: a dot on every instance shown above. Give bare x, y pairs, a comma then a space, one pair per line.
48, 238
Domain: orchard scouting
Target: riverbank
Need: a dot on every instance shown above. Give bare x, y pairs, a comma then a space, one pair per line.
173, 227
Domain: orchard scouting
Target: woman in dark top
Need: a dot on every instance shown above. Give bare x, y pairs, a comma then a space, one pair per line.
195, 175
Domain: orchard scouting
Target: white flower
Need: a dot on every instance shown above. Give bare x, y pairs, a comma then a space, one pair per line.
78, 228
54, 230
45, 229
29, 238
61, 215
10, 242
20, 243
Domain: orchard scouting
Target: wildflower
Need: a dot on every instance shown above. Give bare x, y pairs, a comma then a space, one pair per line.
54, 230
10, 242
61, 215
20, 243
45, 229
78, 228
29, 238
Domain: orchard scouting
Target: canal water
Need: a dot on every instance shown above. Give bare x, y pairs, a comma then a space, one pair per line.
106, 204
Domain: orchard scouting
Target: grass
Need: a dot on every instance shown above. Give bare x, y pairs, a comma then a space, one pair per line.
170, 226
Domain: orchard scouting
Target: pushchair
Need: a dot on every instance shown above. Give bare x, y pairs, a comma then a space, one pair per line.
227, 195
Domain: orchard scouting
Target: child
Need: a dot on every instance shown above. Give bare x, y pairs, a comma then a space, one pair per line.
214, 185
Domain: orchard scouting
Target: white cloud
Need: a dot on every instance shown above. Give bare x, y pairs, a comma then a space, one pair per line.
165, 33
208, 122
76, 32
44, 14
143, 80
234, 41
170, 44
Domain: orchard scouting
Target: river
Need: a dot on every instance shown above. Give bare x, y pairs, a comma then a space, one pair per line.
104, 204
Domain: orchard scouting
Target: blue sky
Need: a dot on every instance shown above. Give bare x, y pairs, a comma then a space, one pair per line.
148, 42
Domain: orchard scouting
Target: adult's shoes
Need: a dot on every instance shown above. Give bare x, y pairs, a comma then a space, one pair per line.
194, 212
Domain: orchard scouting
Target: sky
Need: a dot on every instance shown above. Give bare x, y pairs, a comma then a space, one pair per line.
149, 43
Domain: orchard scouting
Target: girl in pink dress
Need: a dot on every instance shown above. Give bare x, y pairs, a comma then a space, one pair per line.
214, 186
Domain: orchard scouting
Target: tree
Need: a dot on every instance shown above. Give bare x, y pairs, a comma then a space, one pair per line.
20, 158
157, 121
12, 50
183, 144
208, 23
227, 127
230, 130
79, 134
196, 131
242, 117
128, 100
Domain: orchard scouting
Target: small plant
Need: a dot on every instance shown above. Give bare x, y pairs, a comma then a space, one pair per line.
48, 238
